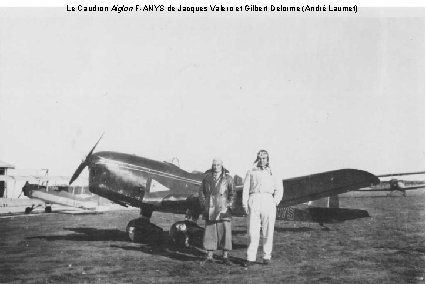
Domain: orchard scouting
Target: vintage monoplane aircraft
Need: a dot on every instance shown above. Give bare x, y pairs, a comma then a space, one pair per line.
60, 194
160, 186
395, 185
45, 190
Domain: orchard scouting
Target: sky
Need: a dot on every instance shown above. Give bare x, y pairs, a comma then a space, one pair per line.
318, 92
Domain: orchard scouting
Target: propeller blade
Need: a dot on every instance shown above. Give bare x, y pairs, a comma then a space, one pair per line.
91, 151
401, 174
84, 163
78, 171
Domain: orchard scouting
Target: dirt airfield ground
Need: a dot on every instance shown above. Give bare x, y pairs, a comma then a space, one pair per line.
389, 247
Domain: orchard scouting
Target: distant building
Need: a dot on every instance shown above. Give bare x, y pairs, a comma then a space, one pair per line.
3, 171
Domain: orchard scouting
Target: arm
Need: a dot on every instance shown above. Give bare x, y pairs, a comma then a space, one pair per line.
231, 194
246, 190
278, 191
202, 196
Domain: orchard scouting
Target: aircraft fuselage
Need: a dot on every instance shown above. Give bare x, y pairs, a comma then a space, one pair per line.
137, 181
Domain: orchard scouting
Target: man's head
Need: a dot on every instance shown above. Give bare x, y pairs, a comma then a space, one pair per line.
262, 159
217, 165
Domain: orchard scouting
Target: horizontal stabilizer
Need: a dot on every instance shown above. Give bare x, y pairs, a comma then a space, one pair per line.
319, 214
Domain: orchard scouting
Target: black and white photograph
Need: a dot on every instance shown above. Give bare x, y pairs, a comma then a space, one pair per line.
212, 142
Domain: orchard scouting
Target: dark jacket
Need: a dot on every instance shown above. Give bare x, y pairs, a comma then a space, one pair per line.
216, 200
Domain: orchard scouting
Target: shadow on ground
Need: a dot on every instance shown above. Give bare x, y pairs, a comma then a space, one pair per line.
157, 246
295, 230
88, 234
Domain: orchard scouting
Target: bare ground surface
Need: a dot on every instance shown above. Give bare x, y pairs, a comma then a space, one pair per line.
59, 248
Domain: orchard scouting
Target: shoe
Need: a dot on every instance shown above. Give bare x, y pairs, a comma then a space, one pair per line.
207, 260
266, 261
248, 263
226, 261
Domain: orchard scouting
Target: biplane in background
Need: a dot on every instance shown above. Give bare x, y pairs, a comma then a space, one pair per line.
395, 185
152, 185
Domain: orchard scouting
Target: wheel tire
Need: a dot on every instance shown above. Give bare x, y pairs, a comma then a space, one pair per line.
134, 231
48, 209
178, 238
140, 231
28, 210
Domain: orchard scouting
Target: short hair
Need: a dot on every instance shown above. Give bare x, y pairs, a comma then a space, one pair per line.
224, 170
217, 160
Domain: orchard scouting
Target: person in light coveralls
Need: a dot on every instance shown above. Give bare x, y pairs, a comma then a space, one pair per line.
261, 196
216, 196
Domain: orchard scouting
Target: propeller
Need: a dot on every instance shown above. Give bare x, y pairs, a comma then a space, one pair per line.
401, 174
84, 163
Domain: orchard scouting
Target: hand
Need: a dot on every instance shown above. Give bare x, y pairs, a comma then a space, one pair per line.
246, 209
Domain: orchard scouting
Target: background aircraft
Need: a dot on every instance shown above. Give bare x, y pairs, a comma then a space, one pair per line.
45, 190
395, 185
161, 186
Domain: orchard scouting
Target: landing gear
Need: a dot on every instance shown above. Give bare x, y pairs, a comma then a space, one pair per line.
184, 234
48, 209
142, 230
28, 210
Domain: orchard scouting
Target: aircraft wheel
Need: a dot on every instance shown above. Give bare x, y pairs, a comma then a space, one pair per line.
178, 235
186, 233
141, 230
48, 209
132, 232
28, 210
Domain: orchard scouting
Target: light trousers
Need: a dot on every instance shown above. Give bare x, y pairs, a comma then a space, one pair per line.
262, 212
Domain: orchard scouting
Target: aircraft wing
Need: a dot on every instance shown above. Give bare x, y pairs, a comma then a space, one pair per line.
388, 189
32, 178
66, 199
311, 187
39, 208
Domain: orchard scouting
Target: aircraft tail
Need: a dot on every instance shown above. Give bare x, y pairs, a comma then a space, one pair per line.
319, 215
